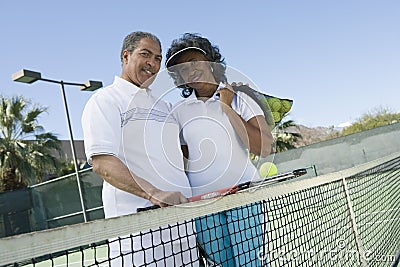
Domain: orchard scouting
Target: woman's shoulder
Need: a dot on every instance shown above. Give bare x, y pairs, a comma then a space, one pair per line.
180, 103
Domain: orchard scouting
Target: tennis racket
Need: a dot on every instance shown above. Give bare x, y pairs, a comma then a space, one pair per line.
239, 187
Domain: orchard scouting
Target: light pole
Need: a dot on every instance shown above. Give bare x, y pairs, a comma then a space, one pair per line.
28, 76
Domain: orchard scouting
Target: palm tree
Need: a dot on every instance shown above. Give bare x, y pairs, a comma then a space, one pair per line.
27, 152
285, 140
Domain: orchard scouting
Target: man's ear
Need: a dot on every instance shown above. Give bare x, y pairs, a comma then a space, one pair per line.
125, 55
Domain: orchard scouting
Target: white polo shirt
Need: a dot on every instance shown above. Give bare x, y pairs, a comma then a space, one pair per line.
217, 156
129, 123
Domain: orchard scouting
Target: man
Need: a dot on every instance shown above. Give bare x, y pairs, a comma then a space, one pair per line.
133, 144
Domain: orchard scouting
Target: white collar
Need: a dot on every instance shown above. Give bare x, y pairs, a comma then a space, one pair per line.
193, 98
128, 86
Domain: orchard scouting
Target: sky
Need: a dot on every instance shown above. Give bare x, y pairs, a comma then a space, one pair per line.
337, 60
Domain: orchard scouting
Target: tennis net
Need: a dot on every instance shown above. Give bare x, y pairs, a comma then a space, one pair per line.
346, 218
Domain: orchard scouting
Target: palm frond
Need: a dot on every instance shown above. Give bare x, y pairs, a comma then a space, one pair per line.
22, 159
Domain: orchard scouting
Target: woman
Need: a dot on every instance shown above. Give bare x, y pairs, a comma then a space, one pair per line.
218, 129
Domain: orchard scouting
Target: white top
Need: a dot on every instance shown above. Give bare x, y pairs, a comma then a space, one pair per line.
217, 156
129, 123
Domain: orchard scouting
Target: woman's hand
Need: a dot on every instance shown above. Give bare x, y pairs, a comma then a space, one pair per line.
226, 94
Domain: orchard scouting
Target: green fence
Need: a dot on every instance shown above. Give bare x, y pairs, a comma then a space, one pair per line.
51, 204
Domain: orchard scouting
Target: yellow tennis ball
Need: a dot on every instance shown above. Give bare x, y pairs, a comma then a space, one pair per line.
268, 169
274, 104
277, 116
285, 106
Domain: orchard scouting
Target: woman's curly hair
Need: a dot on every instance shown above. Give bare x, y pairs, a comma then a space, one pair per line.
212, 54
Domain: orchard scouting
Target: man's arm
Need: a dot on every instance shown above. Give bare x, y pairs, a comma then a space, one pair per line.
112, 170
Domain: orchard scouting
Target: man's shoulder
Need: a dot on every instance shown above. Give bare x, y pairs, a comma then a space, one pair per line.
108, 92
101, 94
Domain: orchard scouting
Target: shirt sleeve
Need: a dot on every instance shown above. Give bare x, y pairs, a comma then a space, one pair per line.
101, 124
246, 107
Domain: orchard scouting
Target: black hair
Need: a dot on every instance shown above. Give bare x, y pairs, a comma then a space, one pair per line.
212, 54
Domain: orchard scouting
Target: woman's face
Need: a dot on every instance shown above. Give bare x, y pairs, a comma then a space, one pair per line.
195, 70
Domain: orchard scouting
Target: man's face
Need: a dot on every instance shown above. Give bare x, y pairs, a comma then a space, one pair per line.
142, 64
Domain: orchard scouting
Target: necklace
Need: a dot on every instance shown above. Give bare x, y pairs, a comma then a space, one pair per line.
203, 98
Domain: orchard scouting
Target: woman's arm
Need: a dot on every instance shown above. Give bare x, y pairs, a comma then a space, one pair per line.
254, 133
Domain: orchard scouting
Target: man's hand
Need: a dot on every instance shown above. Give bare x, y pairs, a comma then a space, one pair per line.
167, 198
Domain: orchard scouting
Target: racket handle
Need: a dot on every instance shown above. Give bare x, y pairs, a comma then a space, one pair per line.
148, 208
299, 172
